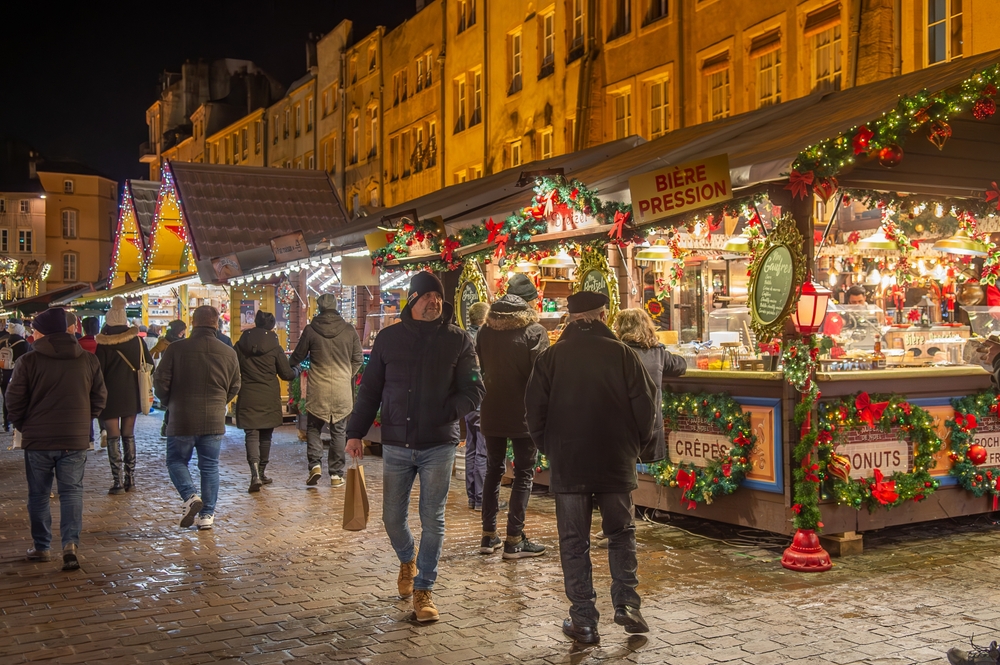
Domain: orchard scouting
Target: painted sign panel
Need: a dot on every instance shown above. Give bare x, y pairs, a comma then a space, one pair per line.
869, 449
775, 284
469, 296
672, 191
226, 267
290, 247
595, 281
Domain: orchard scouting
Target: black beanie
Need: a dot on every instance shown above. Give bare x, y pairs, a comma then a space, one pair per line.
421, 283
50, 321
586, 301
521, 286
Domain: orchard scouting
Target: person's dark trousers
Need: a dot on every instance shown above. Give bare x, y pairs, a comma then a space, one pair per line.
573, 519
475, 460
67, 466
525, 455
258, 444
338, 441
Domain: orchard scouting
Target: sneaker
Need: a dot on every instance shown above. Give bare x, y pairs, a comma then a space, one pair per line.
975, 656
315, 474
423, 606
336, 481
205, 522
490, 544
191, 508
70, 562
38, 555
522, 549
407, 571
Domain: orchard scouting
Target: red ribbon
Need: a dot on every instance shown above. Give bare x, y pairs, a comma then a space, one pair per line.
501, 249
686, 480
884, 492
799, 183
450, 245
494, 229
618, 227
966, 421
867, 411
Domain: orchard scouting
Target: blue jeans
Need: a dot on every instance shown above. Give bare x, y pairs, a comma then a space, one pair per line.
67, 466
179, 449
400, 466
475, 459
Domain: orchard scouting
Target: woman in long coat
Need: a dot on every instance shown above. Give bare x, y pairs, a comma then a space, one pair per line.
258, 407
121, 352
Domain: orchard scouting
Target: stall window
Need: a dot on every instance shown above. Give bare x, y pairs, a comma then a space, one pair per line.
944, 30
659, 108
623, 114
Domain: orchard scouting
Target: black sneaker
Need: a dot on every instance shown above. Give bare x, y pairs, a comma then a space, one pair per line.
523, 549
490, 544
977, 655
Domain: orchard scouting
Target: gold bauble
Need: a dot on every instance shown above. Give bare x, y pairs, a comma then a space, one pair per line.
919, 228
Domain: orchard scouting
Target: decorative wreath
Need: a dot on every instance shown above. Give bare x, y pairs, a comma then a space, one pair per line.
285, 293
722, 476
887, 413
965, 453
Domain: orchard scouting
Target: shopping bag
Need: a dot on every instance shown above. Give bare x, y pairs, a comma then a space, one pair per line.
356, 500
16, 444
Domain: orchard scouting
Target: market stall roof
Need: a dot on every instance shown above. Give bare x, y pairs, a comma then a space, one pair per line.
465, 199
44, 300
144, 195
239, 210
125, 290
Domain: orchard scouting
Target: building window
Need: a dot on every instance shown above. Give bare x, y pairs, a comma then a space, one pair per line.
432, 144
397, 88
621, 18
257, 136
69, 267
3, 205
659, 108
69, 223
718, 95
623, 114
67, 186
298, 120
329, 161
355, 138
24, 242
944, 30
768, 78
826, 58
25, 206
460, 176
352, 69
311, 162
463, 10
403, 85
404, 153
395, 165
419, 83
372, 60
288, 122
373, 197
427, 70
571, 134
460, 103
4, 243
310, 114
548, 43
548, 144
657, 10
475, 173
514, 62
327, 101
245, 142
274, 128
373, 115
578, 25
477, 98
515, 154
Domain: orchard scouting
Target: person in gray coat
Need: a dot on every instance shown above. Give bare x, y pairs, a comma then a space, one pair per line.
334, 351
258, 408
196, 378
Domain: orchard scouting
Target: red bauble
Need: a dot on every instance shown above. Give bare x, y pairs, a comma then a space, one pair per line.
940, 132
984, 108
890, 156
976, 454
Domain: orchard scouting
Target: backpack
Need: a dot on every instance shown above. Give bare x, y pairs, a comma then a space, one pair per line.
7, 354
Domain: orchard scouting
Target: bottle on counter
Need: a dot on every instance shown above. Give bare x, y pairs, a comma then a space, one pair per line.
879, 357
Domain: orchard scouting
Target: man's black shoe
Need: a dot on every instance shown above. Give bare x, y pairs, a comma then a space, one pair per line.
582, 634
631, 618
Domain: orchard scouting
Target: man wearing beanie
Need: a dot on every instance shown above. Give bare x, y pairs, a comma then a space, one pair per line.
591, 409
424, 375
507, 347
334, 351
54, 393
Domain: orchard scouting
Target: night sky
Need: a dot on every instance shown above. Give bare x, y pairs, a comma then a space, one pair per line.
77, 78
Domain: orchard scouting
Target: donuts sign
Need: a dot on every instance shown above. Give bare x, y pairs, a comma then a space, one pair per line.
678, 189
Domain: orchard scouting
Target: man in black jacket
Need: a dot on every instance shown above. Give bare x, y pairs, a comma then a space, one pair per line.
590, 409
424, 374
54, 393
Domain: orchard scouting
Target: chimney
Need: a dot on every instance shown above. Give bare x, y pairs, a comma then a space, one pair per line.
311, 60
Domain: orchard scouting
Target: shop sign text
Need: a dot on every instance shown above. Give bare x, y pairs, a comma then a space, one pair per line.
676, 190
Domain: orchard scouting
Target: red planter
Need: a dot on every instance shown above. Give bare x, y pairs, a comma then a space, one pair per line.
806, 555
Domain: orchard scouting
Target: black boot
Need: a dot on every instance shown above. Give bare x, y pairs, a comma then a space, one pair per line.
115, 458
128, 444
266, 480
265, 456
255, 481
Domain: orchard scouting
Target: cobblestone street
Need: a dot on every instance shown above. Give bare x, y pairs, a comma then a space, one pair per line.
278, 580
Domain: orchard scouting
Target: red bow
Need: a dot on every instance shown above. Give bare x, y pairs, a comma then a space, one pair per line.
450, 245
494, 229
810, 469
799, 182
501, 249
621, 219
868, 412
741, 440
965, 421
993, 194
686, 480
861, 139
884, 492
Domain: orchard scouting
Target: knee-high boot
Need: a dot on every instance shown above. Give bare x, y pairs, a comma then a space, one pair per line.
255, 482
128, 444
115, 459
265, 454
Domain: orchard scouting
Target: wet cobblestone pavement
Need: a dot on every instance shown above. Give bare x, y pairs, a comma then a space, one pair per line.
278, 581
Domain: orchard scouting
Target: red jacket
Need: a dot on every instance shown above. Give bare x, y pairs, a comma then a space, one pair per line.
89, 343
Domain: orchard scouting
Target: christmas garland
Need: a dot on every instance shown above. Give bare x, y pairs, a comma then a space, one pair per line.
799, 360
886, 413
541, 464
966, 455
721, 476
296, 401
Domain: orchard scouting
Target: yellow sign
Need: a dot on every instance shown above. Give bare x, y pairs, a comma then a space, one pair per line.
681, 188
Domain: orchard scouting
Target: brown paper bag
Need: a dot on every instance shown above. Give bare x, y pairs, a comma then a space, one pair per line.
356, 500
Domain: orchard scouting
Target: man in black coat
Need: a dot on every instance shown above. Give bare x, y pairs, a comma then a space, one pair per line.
507, 346
54, 392
590, 408
424, 374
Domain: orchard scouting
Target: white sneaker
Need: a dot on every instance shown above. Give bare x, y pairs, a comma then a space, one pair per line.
205, 523
191, 509
336, 481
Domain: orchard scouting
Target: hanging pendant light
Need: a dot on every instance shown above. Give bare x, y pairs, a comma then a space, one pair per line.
658, 252
878, 240
960, 244
526, 266
738, 244
560, 260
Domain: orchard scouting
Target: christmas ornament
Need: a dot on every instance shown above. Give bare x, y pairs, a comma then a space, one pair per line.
919, 228
861, 139
976, 454
940, 132
825, 188
890, 156
984, 108
839, 467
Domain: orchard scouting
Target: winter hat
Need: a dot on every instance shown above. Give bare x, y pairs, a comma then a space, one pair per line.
326, 302
16, 329
520, 285
509, 304
116, 315
421, 283
586, 301
50, 321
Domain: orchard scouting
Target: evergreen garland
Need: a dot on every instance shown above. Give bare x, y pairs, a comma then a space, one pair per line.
969, 411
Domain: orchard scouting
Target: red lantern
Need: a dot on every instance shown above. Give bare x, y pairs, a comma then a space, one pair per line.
976, 454
811, 309
890, 156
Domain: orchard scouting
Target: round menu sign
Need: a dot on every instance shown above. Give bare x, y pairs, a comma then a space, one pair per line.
468, 296
774, 285
595, 281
